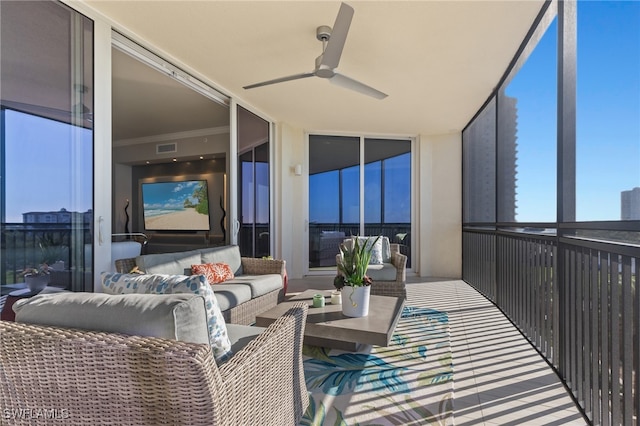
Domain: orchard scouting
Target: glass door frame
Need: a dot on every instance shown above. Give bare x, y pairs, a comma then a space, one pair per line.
233, 166
413, 193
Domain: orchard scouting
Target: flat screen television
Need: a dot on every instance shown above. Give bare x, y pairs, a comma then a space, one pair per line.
176, 206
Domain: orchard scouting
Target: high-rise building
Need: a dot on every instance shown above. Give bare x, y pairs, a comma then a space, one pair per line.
630, 204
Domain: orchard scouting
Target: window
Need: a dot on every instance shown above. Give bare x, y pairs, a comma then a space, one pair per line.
527, 123
254, 236
46, 74
607, 111
335, 189
479, 169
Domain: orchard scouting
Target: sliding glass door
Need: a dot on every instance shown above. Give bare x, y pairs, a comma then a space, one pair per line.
254, 234
347, 172
387, 191
46, 143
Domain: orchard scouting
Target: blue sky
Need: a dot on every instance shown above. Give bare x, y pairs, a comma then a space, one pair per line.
36, 174
608, 131
608, 115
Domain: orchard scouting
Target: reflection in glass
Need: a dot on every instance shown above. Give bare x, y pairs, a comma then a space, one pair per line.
387, 192
262, 242
254, 185
334, 195
46, 201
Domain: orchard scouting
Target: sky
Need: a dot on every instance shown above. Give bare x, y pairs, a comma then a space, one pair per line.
608, 131
607, 115
37, 176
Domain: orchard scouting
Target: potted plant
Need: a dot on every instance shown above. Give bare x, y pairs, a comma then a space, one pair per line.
352, 264
37, 278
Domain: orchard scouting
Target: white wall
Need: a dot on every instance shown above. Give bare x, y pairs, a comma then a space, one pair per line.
440, 206
292, 208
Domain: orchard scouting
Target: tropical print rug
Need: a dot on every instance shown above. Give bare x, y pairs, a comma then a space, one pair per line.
408, 383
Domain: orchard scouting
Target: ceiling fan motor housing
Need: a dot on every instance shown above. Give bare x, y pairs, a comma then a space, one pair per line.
323, 33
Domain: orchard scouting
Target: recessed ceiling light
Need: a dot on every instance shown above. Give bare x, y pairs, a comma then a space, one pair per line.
201, 157
175, 159
148, 162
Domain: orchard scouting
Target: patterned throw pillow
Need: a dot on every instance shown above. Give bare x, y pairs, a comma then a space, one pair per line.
215, 272
376, 250
115, 283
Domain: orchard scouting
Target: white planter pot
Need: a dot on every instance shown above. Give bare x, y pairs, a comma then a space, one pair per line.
355, 301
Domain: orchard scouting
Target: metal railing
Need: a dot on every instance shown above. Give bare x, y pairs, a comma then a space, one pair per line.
30, 244
575, 300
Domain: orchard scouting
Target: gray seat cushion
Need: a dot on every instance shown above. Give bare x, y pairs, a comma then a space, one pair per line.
175, 316
231, 295
384, 272
259, 284
241, 335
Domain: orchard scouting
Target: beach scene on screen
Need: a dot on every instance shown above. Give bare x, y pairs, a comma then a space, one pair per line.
171, 206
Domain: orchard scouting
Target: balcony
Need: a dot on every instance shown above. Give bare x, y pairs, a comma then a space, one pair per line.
30, 244
574, 298
498, 376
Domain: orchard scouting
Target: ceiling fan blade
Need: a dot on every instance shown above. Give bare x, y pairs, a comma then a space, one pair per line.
281, 80
349, 83
333, 51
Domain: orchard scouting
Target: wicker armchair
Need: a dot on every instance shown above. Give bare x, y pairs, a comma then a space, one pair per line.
80, 377
396, 287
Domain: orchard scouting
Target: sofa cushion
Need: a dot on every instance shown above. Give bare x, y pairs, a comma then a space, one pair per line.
216, 273
171, 284
384, 272
178, 263
231, 295
225, 254
259, 284
176, 316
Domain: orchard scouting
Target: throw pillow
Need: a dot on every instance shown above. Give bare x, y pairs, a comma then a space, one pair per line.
115, 283
376, 249
215, 272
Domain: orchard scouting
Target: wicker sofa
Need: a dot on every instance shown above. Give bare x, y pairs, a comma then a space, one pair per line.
258, 286
57, 375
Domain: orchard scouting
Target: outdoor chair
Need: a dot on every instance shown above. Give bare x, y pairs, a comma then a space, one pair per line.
389, 277
84, 377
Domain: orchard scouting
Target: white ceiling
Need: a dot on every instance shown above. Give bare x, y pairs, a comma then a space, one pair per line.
437, 60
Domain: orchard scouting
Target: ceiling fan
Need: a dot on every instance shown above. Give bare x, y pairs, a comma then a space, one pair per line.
332, 44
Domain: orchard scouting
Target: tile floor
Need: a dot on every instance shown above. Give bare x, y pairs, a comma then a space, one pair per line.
499, 378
